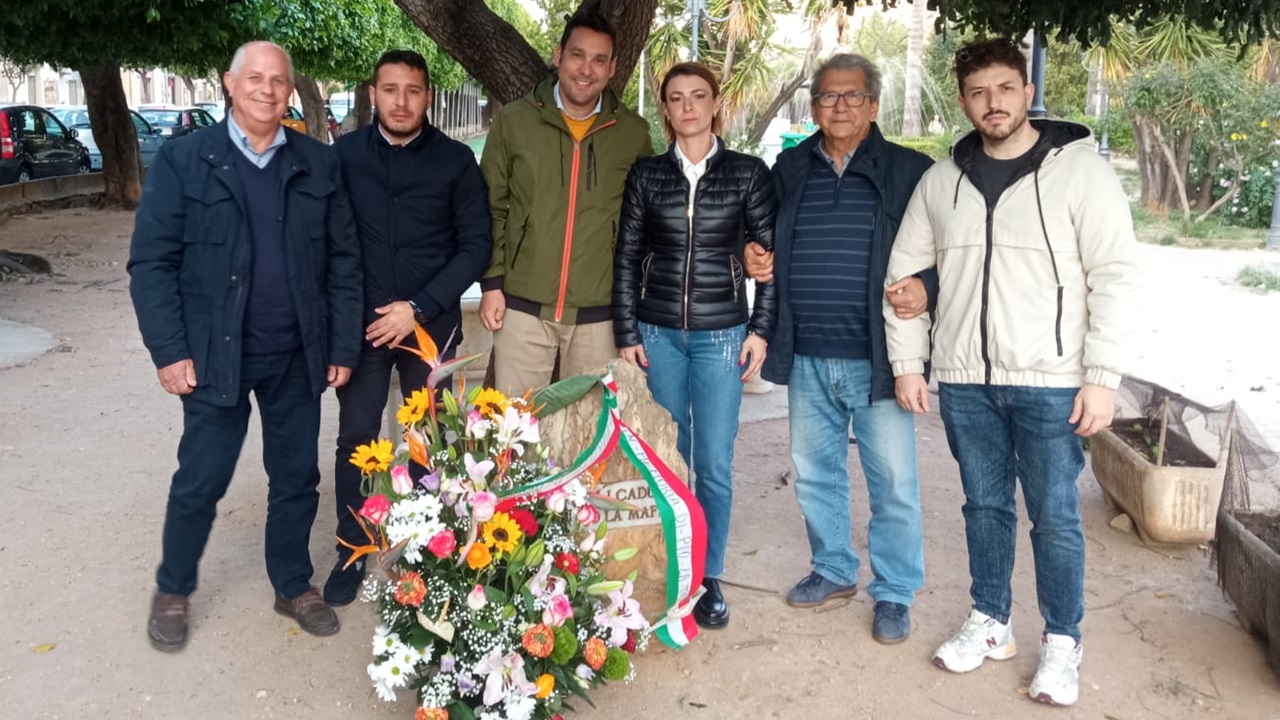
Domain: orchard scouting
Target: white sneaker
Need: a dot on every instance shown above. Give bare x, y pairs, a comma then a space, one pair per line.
1057, 682
981, 637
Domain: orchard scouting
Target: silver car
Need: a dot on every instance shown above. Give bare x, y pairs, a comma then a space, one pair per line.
77, 117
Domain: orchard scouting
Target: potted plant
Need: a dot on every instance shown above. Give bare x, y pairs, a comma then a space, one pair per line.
1163, 480
1248, 551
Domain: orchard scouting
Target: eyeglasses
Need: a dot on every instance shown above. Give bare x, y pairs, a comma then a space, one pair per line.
853, 98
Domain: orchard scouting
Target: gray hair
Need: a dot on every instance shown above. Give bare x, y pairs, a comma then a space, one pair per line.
847, 61
237, 60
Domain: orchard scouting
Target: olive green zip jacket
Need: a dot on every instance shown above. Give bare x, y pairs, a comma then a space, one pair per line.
555, 204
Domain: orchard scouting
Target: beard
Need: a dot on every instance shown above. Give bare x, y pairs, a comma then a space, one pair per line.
1004, 131
403, 129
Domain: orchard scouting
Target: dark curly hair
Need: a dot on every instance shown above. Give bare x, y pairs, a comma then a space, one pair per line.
982, 54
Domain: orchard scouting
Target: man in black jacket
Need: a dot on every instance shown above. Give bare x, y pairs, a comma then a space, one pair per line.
245, 276
422, 211
841, 194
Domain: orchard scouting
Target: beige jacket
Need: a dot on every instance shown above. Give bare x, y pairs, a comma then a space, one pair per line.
1009, 311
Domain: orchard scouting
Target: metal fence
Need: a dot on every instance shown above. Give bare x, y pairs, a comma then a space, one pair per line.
459, 113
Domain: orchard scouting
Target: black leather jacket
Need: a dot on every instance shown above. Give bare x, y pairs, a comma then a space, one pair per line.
678, 266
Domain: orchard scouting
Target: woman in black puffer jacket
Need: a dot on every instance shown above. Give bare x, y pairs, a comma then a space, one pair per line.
679, 293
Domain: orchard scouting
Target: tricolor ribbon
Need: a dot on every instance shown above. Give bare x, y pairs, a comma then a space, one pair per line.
684, 527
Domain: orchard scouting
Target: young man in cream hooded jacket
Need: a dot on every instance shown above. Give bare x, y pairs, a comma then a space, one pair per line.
1032, 238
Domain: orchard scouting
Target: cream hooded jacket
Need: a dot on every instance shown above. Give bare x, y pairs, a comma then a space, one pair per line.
1035, 291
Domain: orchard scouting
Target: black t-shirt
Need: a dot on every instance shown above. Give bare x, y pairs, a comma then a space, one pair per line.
995, 175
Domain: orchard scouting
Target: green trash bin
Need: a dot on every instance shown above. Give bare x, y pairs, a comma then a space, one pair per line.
790, 139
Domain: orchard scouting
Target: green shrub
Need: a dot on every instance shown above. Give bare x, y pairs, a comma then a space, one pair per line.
1251, 207
935, 146
1259, 277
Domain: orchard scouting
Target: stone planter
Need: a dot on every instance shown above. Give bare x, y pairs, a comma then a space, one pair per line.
1168, 504
1249, 573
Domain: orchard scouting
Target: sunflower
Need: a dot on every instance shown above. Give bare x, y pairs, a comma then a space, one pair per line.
491, 402
374, 457
414, 408
502, 533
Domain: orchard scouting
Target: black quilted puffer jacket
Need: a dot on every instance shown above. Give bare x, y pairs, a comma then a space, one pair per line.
681, 267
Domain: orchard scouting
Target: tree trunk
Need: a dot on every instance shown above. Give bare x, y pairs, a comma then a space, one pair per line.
363, 108
113, 130
500, 59
1093, 90
912, 109
1174, 170
1175, 181
1204, 198
312, 107
1151, 166
191, 90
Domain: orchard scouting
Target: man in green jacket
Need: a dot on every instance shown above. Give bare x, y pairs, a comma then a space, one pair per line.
555, 161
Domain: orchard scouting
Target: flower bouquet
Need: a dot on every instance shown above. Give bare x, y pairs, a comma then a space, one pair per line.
494, 605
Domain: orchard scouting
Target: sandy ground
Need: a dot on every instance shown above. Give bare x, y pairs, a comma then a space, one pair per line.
87, 443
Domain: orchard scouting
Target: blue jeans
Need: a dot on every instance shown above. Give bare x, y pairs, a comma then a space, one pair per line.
694, 374
825, 394
997, 433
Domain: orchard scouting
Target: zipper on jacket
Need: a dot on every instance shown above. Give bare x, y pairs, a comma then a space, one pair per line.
1044, 229
519, 244
568, 225
986, 293
688, 264
734, 277
644, 275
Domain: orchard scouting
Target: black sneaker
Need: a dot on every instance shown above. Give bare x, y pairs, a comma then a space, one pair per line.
343, 586
892, 622
814, 590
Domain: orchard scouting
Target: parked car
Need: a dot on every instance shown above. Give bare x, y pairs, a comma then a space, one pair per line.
175, 121
76, 117
35, 144
216, 110
293, 118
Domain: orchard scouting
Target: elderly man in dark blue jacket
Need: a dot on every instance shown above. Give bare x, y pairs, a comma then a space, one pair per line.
423, 216
246, 278
841, 194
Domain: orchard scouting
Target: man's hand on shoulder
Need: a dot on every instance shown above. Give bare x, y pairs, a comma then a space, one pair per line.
493, 307
759, 262
1094, 408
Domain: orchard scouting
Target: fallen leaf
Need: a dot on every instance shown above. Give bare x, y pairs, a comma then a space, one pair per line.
1160, 594
1024, 691
46, 647
293, 631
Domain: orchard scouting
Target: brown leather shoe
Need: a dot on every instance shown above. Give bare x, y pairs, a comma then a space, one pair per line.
167, 627
311, 612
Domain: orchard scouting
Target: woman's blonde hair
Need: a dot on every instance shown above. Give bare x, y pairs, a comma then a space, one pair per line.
689, 69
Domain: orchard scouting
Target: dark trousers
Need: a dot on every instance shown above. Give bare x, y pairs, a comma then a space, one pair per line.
212, 437
361, 402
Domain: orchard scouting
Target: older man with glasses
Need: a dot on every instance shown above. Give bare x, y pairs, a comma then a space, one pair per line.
841, 193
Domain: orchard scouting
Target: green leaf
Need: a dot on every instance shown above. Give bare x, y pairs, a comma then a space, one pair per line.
625, 554
604, 502
494, 595
460, 711
445, 369
558, 396
604, 587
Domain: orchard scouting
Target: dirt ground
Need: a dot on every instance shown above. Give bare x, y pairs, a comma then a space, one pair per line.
87, 445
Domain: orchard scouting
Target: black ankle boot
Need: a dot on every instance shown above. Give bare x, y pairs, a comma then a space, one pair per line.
711, 612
